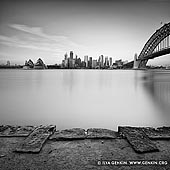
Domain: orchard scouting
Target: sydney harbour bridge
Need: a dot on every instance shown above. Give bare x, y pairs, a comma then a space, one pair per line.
157, 45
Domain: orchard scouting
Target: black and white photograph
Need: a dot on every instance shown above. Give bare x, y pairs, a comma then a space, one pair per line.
84, 84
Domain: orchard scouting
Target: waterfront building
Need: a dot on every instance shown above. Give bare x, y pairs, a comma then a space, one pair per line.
71, 54
83, 64
119, 63
73, 62
70, 63
90, 62
86, 60
114, 66
39, 64
78, 63
28, 64
110, 61
8, 63
106, 63
66, 63
94, 63
101, 61
65, 56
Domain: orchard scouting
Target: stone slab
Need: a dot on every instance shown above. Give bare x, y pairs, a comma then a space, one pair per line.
97, 133
139, 141
69, 134
158, 133
15, 131
34, 142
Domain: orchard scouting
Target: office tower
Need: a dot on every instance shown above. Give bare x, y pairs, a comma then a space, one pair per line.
90, 62
71, 54
101, 61
66, 61
86, 60
110, 61
106, 63
94, 63
65, 56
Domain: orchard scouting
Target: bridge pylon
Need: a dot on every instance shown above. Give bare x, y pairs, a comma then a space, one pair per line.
136, 62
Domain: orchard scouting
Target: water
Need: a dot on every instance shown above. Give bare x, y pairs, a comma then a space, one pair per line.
85, 98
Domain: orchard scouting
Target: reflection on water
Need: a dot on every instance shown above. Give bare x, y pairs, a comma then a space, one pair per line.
157, 84
85, 98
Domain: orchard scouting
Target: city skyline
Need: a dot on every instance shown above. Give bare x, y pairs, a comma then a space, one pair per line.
48, 29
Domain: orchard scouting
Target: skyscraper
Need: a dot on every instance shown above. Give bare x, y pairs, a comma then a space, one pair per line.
110, 61
94, 63
106, 63
65, 56
71, 54
86, 60
101, 61
90, 62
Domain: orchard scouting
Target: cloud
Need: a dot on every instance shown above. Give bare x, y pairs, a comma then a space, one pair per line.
37, 31
35, 38
35, 45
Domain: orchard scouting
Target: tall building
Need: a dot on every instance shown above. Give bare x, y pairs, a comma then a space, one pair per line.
90, 62
106, 63
86, 60
110, 61
101, 61
66, 61
65, 56
94, 63
71, 54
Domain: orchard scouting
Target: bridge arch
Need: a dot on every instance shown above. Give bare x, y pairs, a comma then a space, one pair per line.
158, 42
155, 40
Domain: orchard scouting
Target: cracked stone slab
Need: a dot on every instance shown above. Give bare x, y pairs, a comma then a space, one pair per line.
34, 142
94, 133
15, 131
69, 134
158, 133
139, 141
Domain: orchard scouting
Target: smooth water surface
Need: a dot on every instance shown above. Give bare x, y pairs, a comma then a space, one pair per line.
85, 98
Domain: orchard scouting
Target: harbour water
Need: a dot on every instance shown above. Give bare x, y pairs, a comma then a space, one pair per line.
85, 98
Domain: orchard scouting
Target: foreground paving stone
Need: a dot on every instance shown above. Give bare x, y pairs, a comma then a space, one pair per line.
94, 133
15, 131
69, 134
159, 133
34, 142
138, 139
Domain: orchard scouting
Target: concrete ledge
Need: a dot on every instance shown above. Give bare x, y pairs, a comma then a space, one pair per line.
97, 133
69, 134
138, 139
15, 131
159, 133
34, 142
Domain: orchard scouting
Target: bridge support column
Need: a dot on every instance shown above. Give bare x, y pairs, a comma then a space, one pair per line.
136, 62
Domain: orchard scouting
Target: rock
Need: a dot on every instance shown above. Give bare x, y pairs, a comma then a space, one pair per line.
159, 133
94, 133
15, 131
34, 142
138, 139
69, 134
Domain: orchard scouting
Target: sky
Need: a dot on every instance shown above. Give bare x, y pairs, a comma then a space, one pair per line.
47, 29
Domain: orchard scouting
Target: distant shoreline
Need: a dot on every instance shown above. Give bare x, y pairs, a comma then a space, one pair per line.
51, 67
